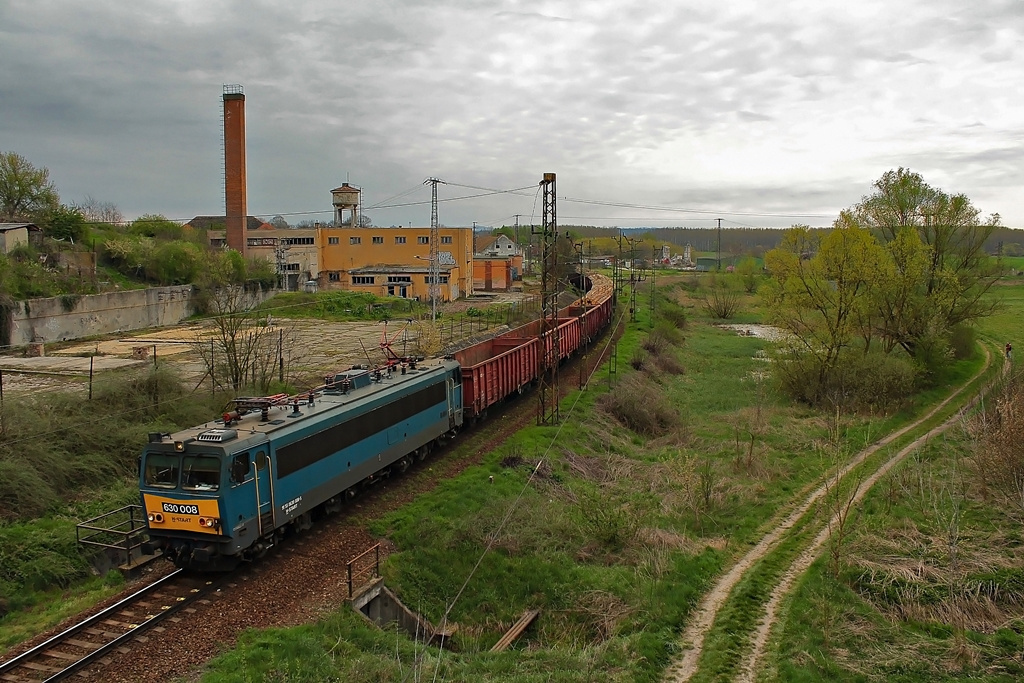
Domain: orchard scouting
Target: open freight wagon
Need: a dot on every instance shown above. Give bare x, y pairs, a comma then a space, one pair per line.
506, 364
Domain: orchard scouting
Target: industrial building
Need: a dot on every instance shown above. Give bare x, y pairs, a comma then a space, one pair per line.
382, 261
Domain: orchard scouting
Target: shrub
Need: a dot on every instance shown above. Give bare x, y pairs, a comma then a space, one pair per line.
640, 406
856, 381
721, 302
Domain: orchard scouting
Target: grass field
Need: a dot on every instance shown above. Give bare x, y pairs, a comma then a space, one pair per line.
617, 534
620, 531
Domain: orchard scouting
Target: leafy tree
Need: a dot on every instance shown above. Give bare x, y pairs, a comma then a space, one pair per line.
25, 191
64, 223
958, 272
820, 282
128, 253
279, 222
261, 273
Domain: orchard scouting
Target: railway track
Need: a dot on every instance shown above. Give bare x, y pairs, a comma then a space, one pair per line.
110, 630
100, 640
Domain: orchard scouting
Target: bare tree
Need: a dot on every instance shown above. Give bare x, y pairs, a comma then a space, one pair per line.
95, 211
242, 344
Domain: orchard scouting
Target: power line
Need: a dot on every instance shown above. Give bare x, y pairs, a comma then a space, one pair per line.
390, 203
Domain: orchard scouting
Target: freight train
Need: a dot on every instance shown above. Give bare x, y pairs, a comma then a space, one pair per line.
230, 489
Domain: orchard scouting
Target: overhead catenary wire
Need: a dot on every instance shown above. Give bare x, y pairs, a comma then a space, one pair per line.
391, 203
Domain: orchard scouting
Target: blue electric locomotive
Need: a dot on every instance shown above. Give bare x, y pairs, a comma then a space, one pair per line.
228, 490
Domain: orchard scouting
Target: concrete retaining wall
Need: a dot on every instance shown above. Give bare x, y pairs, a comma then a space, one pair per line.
50, 320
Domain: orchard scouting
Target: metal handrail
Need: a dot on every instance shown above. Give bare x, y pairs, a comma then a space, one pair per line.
373, 570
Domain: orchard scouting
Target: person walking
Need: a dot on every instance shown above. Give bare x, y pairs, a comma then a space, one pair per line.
1009, 351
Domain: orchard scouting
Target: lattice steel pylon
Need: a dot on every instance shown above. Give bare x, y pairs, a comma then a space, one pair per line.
435, 266
547, 395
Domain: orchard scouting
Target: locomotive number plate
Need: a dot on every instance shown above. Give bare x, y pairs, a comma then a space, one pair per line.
180, 509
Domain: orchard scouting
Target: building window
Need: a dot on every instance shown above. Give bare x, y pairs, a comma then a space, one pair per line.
441, 279
334, 276
296, 240
423, 240
362, 279
378, 240
446, 239
291, 266
332, 240
400, 240
355, 240
399, 279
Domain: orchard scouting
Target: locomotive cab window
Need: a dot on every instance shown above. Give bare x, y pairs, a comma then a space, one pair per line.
200, 473
161, 471
240, 468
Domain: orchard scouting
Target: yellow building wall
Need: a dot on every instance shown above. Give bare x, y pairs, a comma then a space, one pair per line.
345, 249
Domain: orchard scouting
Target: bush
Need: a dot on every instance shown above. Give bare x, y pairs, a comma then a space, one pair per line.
640, 406
856, 381
174, 263
721, 302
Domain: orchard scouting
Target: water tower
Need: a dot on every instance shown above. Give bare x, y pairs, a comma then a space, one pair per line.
345, 198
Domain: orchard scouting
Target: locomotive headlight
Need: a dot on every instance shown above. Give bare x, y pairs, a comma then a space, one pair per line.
179, 446
209, 522
156, 517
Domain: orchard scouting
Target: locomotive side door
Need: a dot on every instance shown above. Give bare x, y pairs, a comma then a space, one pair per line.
264, 490
252, 502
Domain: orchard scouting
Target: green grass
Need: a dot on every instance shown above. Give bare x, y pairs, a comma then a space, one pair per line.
854, 626
619, 535
581, 547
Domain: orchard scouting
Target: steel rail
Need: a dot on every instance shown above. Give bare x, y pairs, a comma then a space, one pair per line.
95, 619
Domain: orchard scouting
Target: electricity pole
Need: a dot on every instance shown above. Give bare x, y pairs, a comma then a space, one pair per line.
435, 266
547, 407
632, 277
654, 276
719, 244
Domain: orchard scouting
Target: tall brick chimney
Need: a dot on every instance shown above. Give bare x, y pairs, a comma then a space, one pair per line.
235, 208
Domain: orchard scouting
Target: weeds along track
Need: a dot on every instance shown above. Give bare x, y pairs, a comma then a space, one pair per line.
114, 628
788, 528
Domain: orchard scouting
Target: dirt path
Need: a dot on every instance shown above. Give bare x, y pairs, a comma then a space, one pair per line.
807, 557
693, 636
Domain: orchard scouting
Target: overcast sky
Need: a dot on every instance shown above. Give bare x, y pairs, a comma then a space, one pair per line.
761, 113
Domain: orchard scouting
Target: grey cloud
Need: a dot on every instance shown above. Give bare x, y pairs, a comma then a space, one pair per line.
391, 92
